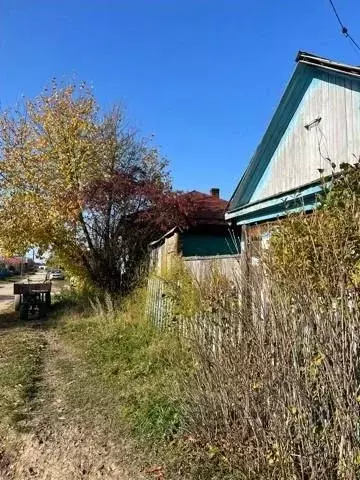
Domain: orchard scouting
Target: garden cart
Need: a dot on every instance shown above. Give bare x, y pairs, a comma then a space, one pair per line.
32, 299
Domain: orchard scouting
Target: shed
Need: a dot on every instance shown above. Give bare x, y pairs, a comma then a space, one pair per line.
207, 236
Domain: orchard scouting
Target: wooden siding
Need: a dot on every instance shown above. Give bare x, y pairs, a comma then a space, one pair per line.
301, 152
199, 250
162, 256
201, 267
158, 307
213, 329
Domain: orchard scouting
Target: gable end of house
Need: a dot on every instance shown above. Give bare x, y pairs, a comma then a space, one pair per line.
315, 124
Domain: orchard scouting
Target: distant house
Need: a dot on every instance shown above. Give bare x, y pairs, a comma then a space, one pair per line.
315, 127
17, 264
207, 237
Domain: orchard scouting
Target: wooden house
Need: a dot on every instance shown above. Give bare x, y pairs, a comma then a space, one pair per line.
208, 237
17, 264
315, 128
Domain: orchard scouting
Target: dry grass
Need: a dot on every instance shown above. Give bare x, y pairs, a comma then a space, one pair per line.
140, 365
90, 393
272, 391
134, 375
278, 398
75, 432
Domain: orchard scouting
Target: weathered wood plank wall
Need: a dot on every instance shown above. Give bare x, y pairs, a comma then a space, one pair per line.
226, 265
302, 153
205, 327
213, 330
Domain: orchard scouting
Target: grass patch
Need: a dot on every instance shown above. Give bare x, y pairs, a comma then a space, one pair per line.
21, 361
141, 366
133, 378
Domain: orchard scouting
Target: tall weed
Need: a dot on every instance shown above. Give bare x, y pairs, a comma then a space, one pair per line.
140, 365
276, 392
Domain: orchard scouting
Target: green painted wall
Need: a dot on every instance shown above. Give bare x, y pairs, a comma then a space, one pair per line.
201, 245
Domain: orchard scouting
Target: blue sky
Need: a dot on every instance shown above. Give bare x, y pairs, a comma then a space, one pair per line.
204, 76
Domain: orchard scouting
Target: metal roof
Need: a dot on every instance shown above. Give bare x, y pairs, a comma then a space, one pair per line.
315, 60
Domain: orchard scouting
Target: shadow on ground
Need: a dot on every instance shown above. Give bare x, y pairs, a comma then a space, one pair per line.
10, 320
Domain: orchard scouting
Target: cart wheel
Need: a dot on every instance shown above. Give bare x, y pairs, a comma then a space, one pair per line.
24, 311
17, 302
48, 299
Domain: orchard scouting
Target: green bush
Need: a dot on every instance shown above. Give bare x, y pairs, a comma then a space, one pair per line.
322, 248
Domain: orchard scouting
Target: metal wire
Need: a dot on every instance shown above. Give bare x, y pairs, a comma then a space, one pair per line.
344, 29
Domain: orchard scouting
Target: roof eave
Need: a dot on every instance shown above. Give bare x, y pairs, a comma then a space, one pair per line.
316, 61
168, 234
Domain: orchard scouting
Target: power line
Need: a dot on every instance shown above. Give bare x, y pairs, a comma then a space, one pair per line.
344, 30
337, 15
353, 41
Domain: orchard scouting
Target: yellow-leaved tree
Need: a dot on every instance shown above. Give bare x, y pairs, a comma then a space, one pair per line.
81, 184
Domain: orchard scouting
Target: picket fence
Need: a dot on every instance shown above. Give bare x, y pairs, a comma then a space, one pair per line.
213, 329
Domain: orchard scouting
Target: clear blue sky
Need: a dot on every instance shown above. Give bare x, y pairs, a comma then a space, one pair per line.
203, 75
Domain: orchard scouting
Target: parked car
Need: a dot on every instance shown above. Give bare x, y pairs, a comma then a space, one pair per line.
56, 275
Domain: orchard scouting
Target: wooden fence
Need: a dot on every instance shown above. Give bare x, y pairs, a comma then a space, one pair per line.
158, 306
201, 267
212, 329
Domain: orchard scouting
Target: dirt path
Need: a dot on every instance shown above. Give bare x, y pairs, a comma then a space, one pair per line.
66, 434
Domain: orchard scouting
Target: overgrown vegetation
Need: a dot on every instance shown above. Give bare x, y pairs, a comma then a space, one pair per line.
264, 381
142, 366
323, 248
276, 390
188, 296
108, 375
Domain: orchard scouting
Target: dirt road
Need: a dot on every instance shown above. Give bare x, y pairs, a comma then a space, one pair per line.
54, 422
56, 442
